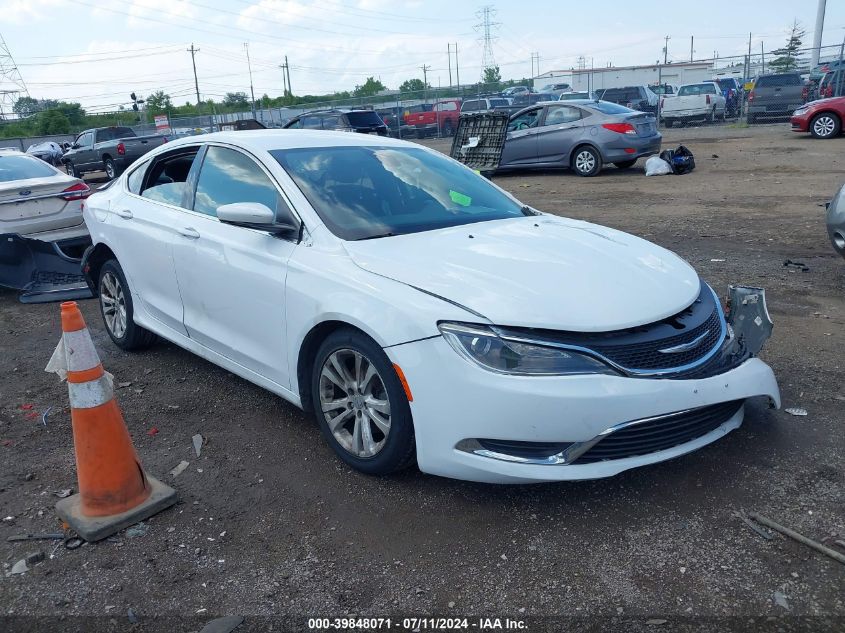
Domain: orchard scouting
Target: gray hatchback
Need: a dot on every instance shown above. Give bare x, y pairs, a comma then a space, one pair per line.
581, 135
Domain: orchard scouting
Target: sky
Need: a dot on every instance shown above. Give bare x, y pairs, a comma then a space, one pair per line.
96, 53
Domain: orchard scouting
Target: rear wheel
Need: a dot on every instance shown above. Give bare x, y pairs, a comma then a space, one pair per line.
111, 168
361, 405
712, 117
586, 161
118, 311
825, 125
625, 164
668, 122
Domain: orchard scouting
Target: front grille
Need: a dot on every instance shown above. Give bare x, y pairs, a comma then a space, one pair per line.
661, 433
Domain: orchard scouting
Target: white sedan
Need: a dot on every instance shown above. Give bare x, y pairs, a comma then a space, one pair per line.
420, 311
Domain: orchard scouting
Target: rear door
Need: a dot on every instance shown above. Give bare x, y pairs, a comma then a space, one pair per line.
232, 278
559, 130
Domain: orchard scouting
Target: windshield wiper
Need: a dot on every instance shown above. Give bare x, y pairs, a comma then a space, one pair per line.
375, 237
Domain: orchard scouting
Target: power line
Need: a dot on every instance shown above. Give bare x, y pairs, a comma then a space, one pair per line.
9, 74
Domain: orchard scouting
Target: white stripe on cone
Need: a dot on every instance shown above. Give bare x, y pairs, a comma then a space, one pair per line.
79, 351
87, 395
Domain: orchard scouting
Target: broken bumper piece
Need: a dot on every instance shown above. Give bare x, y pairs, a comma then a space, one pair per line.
43, 271
748, 318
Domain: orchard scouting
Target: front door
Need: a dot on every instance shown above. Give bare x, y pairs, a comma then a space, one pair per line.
521, 143
232, 278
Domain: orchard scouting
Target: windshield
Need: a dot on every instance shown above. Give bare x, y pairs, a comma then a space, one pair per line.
368, 192
21, 167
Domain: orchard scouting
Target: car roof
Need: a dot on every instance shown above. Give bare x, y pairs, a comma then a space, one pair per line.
268, 140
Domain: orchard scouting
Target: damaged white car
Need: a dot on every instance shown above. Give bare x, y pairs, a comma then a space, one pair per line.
421, 312
42, 232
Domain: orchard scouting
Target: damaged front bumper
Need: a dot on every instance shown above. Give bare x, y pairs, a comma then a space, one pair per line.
44, 271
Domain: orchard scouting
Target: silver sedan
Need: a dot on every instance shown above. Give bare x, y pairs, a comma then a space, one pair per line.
581, 135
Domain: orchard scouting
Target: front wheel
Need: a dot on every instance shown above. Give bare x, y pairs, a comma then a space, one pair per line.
586, 162
361, 405
118, 311
70, 168
825, 125
447, 128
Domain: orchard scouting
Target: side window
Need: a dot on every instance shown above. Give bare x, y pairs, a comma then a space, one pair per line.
558, 114
136, 178
167, 179
228, 176
470, 106
333, 122
524, 121
310, 122
84, 140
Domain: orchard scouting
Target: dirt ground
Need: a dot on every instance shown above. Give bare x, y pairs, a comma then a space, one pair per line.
271, 526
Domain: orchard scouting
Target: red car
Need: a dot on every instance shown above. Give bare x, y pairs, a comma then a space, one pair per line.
822, 118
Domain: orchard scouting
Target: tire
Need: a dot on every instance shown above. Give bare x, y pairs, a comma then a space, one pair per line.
712, 117
364, 437
668, 123
586, 161
447, 129
625, 164
70, 168
750, 119
111, 168
117, 309
825, 125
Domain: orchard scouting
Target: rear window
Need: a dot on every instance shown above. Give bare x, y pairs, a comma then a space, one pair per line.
697, 89
606, 107
498, 103
773, 81
113, 133
21, 167
363, 118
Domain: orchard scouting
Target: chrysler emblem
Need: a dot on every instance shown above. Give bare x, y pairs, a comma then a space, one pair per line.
684, 347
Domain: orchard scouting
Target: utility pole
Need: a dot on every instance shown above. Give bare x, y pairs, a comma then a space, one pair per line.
287, 70
691, 51
425, 70
251, 89
666, 48
748, 72
762, 60
449, 55
533, 57
193, 51
284, 81
817, 35
457, 70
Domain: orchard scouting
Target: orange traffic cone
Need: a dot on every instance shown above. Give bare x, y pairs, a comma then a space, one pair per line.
114, 491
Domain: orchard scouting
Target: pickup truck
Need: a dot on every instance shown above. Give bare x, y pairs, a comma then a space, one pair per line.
776, 95
442, 118
702, 101
109, 149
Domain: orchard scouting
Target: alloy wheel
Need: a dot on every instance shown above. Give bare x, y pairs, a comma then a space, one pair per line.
585, 162
110, 171
114, 304
354, 402
824, 126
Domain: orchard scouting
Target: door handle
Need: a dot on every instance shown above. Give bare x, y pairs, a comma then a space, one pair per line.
126, 214
189, 232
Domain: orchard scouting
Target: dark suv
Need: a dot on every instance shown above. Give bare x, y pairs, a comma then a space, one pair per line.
634, 97
363, 121
733, 93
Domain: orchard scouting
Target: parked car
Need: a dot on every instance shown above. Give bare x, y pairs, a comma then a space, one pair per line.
514, 91
556, 89
634, 97
521, 101
836, 221
48, 151
578, 96
733, 93
110, 149
485, 104
362, 121
701, 101
42, 233
580, 135
775, 95
442, 118
419, 310
394, 119
822, 118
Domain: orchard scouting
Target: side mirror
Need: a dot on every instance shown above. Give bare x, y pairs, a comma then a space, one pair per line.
255, 215
75, 146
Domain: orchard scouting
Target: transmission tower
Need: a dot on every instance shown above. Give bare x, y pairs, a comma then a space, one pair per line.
12, 86
486, 27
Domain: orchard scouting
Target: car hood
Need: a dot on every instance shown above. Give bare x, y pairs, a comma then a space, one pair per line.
541, 272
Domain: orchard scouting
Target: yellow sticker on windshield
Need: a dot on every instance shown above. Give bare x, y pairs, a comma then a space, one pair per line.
459, 198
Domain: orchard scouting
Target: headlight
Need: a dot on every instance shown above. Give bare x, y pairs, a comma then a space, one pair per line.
484, 347
800, 111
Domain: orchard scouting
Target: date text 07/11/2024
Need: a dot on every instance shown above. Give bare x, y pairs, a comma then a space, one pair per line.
414, 624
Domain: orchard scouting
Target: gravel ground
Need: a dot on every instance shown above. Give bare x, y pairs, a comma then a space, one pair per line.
272, 527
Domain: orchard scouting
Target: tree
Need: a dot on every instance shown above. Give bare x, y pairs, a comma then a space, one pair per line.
238, 99
26, 106
491, 76
53, 122
787, 57
370, 88
72, 111
412, 85
159, 102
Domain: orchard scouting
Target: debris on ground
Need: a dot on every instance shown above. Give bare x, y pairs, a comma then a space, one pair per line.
798, 537
780, 600
717, 260
45, 414
48, 536
223, 625
656, 621
61, 494
197, 441
180, 468
765, 534
122, 385
796, 411
133, 619
18, 568
34, 557
789, 263
656, 166
137, 530
153, 431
